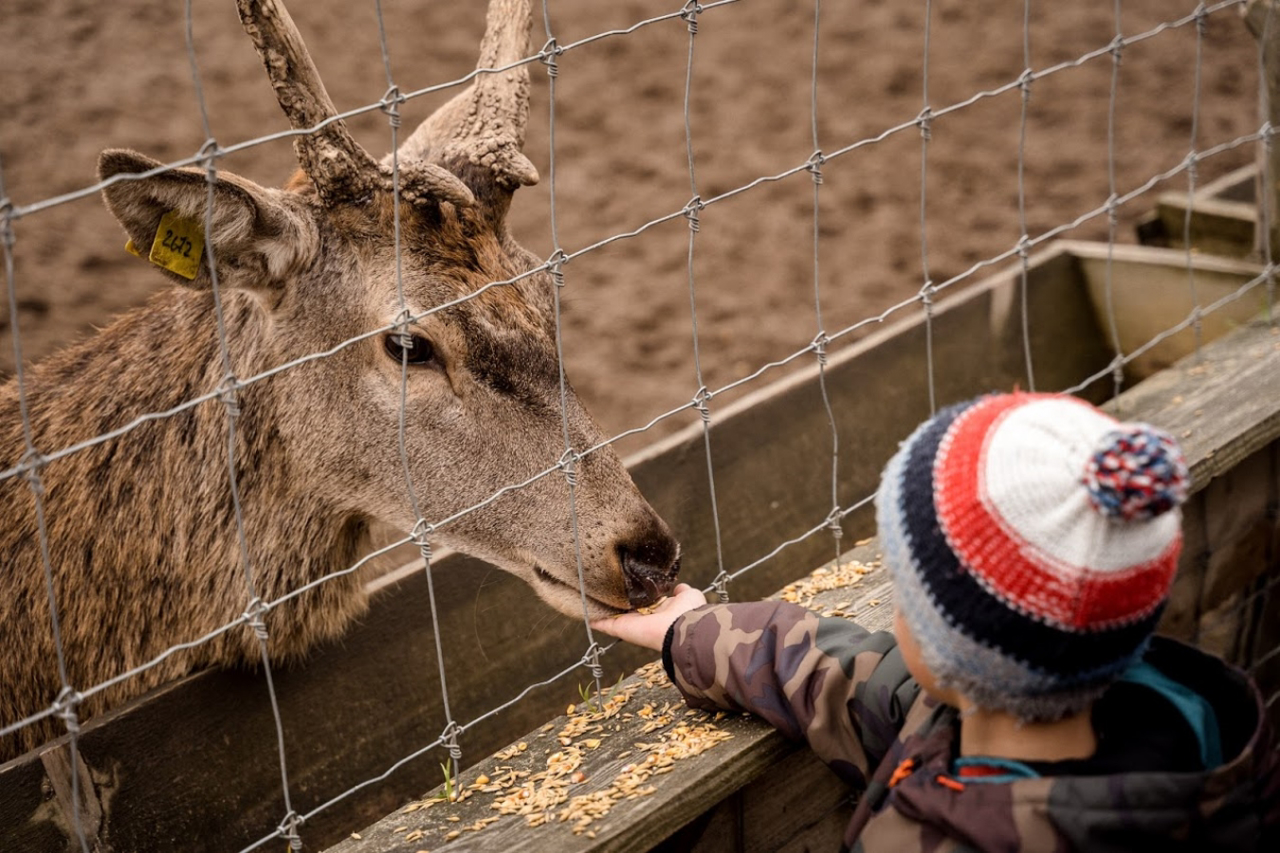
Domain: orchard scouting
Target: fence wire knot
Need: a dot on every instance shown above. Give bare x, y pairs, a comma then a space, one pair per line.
1268, 133
819, 345
568, 463
547, 56
925, 122
1202, 20
1192, 164
591, 660
65, 709
1024, 82
253, 617
1113, 207
1024, 246
449, 740
288, 830
814, 165
422, 538
1117, 369
404, 336
700, 401
390, 104
555, 265
227, 394
208, 155
721, 586
1117, 48
927, 290
31, 463
833, 523
690, 15
691, 211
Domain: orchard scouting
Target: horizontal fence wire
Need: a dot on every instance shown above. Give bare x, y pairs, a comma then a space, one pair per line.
16, 211
35, 459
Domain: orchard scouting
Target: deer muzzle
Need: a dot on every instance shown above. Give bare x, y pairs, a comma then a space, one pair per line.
650, 569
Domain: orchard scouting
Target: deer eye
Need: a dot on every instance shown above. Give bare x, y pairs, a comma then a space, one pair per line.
413, 349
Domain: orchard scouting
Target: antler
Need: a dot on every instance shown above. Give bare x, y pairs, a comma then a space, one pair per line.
338, 167
484, 124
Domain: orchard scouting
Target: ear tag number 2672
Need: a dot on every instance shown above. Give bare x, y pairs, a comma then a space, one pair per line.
178, 245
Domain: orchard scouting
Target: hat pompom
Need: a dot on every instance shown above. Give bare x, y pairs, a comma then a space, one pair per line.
1137, 473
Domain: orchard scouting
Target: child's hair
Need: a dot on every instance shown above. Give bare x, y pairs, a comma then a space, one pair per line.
1032, 540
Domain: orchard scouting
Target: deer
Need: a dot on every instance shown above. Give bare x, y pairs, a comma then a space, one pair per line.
147, 547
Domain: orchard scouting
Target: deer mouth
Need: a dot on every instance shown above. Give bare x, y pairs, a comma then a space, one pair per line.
595, 607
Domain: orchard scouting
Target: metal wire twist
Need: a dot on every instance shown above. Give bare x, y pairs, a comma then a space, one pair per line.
692, 211
689, 14
288, 830
253, 617
591, 660
390, 105
548, 57
67, 702
814, 166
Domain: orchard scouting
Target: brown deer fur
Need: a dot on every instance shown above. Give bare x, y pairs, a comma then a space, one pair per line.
142, 535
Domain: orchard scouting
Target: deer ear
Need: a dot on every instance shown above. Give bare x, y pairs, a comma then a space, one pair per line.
258, 239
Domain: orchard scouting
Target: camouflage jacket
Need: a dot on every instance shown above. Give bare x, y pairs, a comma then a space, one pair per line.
847, 693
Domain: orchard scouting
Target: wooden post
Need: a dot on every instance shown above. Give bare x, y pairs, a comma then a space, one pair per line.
1263, 20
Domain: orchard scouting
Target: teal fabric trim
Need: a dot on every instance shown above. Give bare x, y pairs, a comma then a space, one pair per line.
1197, 710
1015, 770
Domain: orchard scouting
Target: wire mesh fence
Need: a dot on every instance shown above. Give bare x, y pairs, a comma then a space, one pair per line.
551, 66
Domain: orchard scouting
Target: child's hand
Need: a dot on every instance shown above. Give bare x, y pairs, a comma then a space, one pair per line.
650, 629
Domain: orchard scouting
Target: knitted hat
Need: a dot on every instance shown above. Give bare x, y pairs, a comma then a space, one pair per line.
1032, 540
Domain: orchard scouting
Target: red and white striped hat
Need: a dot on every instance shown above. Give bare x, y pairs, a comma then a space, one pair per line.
1032, 540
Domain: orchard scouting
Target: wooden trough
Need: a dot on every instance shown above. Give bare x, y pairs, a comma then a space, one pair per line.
193, 766
1223, 216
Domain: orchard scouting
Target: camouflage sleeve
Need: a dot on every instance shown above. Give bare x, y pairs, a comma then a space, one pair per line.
827, 681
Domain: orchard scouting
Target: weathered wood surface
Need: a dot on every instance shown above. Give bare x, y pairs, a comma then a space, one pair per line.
1224, 217
692, 786
194, 765
701, 804
1151, 291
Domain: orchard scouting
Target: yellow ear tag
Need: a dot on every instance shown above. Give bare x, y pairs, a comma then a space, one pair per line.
178, 246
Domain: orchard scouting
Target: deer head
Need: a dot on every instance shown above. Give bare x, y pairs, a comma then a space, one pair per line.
478, 382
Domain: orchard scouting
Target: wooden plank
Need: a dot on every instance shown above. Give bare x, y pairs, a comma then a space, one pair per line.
1223, 405
691, 788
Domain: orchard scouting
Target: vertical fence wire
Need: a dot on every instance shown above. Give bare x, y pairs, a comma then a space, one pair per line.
701, 399
1266, 180
255, 608
65, 704
1192, 161
422, 529
1024, 86
570, 459
1113, 326
927, 288
821, 341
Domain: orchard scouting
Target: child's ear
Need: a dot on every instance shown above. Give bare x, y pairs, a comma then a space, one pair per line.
258, 238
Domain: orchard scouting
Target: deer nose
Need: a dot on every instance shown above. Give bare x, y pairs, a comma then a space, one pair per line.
650, 569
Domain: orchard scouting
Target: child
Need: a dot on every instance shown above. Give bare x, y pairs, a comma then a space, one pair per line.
1021, 702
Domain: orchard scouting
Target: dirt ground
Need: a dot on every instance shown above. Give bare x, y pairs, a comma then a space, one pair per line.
81, 75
